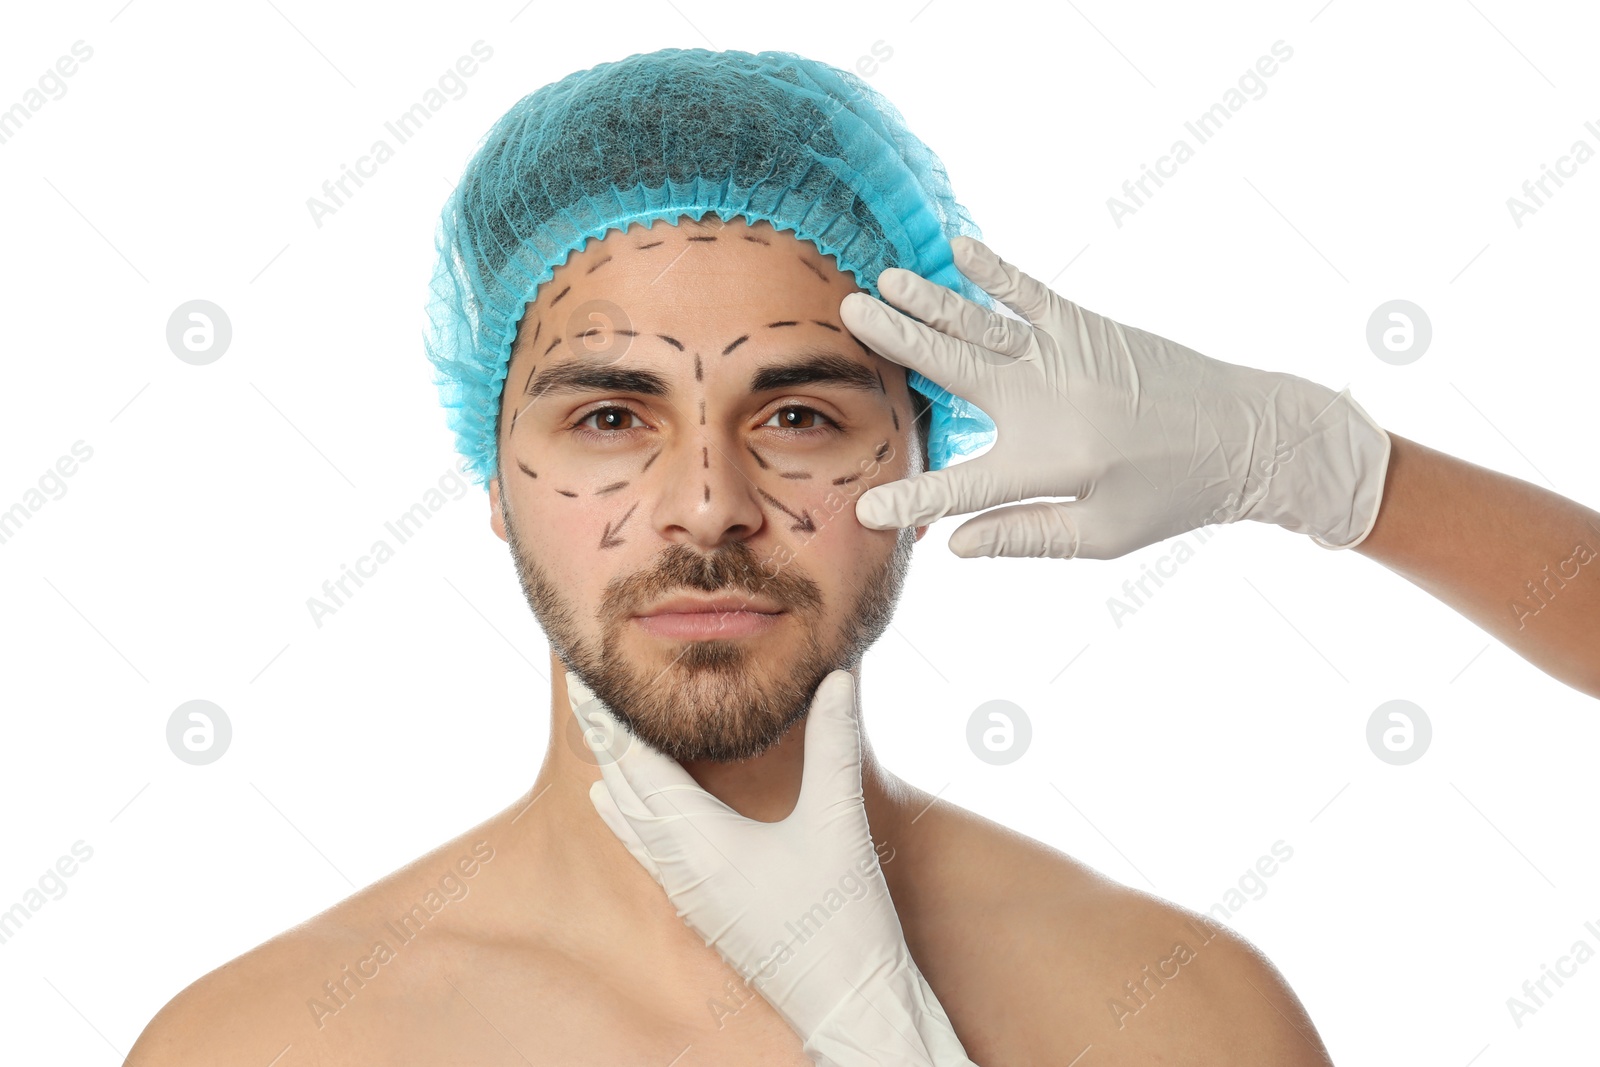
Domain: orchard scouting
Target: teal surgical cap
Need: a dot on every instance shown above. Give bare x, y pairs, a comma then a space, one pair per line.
768, 136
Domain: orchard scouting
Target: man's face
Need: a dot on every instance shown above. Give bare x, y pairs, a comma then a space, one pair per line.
685, 415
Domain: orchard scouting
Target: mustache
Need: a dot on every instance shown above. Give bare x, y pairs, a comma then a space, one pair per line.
735, 568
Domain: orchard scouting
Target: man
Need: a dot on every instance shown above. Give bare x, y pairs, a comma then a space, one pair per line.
691, 444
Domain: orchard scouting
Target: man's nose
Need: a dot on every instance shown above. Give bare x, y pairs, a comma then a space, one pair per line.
708, 490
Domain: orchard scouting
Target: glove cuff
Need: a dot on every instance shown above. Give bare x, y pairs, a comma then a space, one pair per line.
1331, 486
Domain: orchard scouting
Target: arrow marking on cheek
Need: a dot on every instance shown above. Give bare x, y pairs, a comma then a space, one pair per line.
606, 540
802, 524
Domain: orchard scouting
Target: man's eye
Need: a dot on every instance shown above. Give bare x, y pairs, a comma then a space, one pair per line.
787, 423
612, 428
793, 417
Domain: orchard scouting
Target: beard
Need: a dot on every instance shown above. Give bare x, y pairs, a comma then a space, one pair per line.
721, 700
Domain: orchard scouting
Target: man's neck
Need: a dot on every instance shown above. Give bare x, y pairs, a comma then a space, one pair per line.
764, 788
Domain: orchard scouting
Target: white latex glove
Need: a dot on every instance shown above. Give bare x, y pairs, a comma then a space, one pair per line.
850, 989
1152, 438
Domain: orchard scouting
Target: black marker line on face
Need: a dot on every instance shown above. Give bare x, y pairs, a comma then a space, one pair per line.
563, 492
559, 295
707, 238
553, 342
606, 539
708, 494
736, 344
847, 479
784, 322
525, 469
795, 474
598, 265
827, 325
697, 375
812, 267
652, 244
756, 454
705, 456
896, 416
527, 386
702, 412
612, 488
673, 341
651, 460
883, 450
803, 524
881, 387
864, 349
757, 240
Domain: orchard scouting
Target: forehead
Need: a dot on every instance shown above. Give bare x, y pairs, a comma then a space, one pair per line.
700, 279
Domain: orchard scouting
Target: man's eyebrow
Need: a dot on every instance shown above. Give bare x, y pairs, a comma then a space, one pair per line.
596, 376
815, 367
812, 367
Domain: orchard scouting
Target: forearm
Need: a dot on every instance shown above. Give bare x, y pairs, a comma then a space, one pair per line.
1519, 561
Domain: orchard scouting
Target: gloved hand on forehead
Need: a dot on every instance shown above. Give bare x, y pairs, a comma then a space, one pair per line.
849, 986
1153, 439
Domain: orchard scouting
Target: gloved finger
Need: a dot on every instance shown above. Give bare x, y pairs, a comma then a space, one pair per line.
606, 806
629, 766
957, 365
1038, 530
949, 312
1022, 293
832, 773
930, 496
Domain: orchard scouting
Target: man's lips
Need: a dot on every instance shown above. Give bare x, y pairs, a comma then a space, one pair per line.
700, 618
687, 605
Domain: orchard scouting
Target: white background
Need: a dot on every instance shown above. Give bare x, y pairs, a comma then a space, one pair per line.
1226, 714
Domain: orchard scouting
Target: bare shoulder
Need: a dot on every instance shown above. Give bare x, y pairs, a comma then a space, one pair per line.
318, 992
1038, 958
